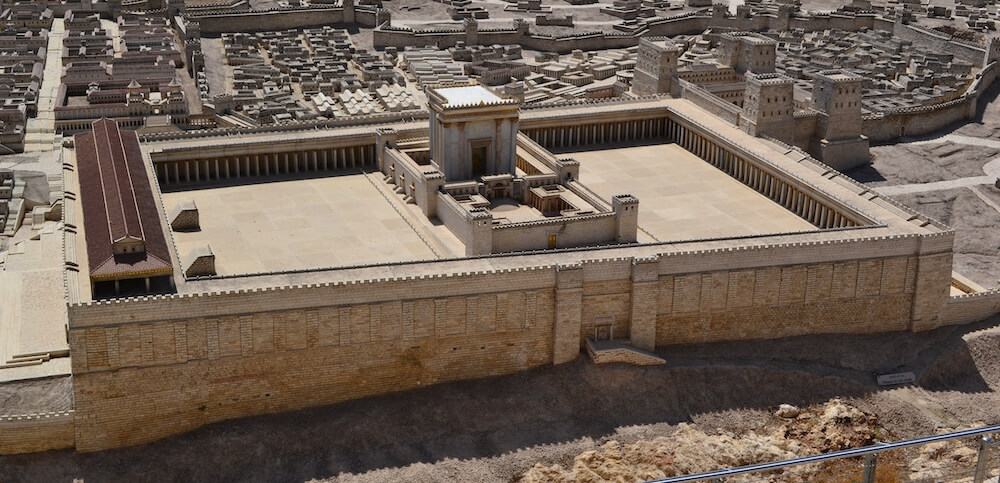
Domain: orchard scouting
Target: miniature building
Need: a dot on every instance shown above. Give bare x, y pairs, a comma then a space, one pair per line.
472, 174
126, 248
768, 106
184, 217
745, 51
656, 66
472, 132
838, 141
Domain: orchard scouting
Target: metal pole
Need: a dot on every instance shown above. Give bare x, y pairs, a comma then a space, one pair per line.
871, 462
983, 460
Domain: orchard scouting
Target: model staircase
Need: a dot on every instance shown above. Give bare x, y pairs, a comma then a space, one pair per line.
611, 351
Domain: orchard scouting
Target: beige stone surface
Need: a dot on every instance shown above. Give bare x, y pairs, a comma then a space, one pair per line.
681, 196
32, 306
298, 224
40, 131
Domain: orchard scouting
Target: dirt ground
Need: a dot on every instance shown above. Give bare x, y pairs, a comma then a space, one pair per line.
497, 429
35, 396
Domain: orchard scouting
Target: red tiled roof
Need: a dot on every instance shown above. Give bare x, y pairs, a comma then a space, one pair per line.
118, 203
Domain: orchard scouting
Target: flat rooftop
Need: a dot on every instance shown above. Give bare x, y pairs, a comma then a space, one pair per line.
469, 95
298, 224
682, 197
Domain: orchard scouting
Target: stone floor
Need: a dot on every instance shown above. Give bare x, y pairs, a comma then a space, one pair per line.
298, 224
681, 196
32, 304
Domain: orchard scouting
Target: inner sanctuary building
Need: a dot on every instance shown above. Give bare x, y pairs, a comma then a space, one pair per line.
303, 267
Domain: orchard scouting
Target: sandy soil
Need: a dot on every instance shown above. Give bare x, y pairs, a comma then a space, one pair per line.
35, 396
936, 162
497, 429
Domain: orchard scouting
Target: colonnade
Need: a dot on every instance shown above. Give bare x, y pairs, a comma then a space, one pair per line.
610, 132
264, 164
765, 183
74, 125
787, 195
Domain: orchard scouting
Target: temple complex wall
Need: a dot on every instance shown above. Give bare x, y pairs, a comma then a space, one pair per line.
169, 364
29, 433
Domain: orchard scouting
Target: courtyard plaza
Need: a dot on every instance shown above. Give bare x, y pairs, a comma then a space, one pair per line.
682, 197
298, 224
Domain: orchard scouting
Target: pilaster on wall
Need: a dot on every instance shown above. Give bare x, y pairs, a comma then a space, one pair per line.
931, 289
569, 313
645, 287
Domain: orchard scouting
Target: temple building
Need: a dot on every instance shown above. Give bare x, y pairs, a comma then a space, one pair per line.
494, 188
127, 251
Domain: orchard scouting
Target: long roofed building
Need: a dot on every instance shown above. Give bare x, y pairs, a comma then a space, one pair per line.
126, 247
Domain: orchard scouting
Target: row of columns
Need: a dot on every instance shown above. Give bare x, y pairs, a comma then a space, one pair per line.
264, 164
577, 135
794, 200
87, 124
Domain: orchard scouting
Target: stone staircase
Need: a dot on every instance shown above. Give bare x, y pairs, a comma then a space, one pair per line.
610, 351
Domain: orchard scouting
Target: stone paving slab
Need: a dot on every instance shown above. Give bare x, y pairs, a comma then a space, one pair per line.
298, 224
680, 195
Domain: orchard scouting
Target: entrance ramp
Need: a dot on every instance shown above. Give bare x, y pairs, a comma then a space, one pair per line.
609, 351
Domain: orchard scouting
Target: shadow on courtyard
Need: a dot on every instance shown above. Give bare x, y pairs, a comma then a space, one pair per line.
602, 146
487, 418
259, 180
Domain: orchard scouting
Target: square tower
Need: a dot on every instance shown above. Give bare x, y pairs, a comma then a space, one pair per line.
748, 51
838, 141
656, 66
473, 132
769, 106
837, 96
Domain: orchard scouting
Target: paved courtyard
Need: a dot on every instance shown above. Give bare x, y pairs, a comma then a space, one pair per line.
298, 224
680, 195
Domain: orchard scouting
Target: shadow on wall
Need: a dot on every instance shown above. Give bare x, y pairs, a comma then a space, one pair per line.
560, 404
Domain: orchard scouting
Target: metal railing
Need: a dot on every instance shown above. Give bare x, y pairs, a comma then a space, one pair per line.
986, 447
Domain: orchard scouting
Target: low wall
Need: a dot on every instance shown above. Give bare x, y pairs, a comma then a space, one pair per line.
964, 309
587, 230
702, 98
454, 216
29, 433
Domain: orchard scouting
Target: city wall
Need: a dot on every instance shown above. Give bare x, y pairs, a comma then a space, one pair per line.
29, 433
927, 119
281, 19
169, 364
691, 23
934, 41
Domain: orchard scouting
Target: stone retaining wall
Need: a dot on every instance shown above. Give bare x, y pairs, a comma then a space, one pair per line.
29, 433
169, 364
